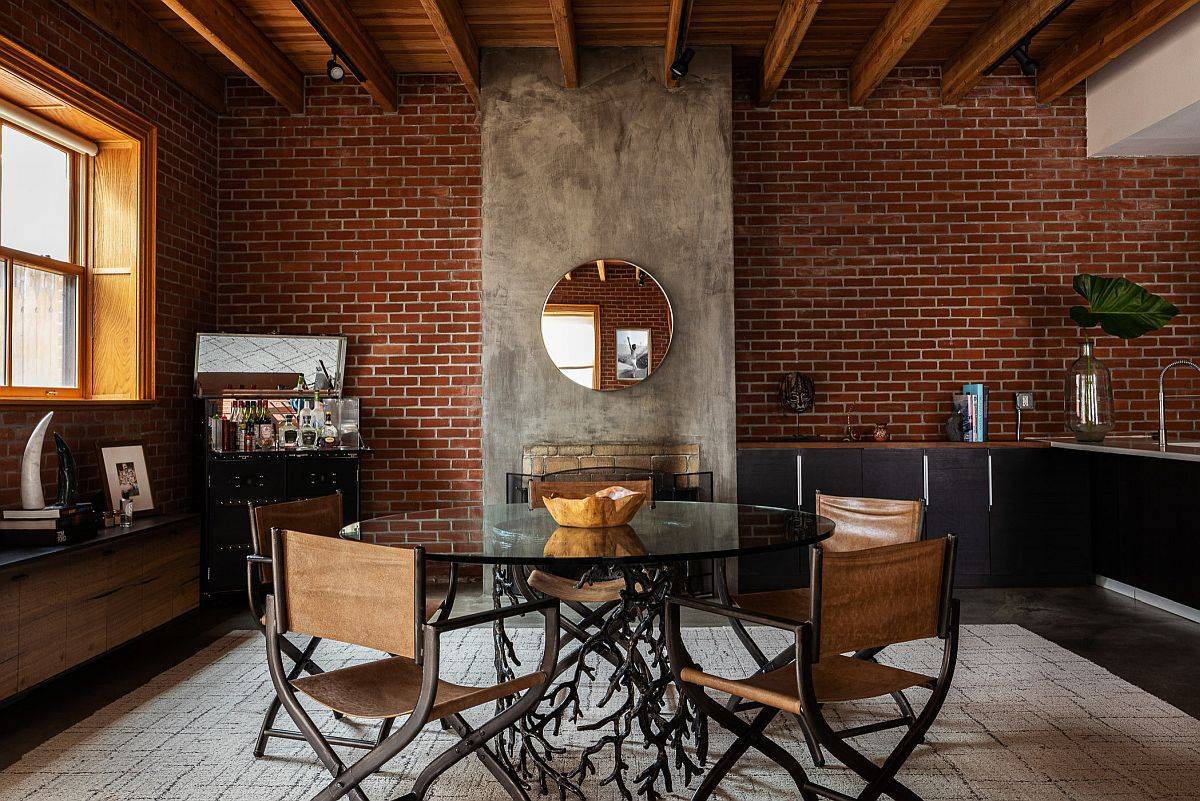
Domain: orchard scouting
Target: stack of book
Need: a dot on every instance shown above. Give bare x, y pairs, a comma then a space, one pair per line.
972, 404
53, 525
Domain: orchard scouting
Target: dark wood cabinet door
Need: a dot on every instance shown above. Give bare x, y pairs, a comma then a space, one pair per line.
958, 504
1159, 526
833, 471
314, 476
1108, 533
894, 473
10, 606
245, 478
767, 477
1040, 517
226, 546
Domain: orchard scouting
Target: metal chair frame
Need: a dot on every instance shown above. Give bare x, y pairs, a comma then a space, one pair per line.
880, 779
302, 657
346, 779
765, 665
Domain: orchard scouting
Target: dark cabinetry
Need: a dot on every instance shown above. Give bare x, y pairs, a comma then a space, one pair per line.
959, 483
61, 608
833, 471
767, 477
1041, 524
1146, 534
1021, 513
236, 480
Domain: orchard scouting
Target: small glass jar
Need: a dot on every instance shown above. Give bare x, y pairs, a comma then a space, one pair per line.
126, 511
1089, 397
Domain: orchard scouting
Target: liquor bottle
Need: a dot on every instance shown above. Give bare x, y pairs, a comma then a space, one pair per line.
329, 433
265, 427
308, 432
248, 426
288, 433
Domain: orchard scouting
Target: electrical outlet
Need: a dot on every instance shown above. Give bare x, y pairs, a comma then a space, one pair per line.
1024, 401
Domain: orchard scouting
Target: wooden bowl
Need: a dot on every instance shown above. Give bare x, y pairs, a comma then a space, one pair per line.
594, 511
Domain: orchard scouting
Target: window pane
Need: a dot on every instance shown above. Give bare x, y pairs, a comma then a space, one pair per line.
44, 328
4, 326
35, 196
582, 377
571, 342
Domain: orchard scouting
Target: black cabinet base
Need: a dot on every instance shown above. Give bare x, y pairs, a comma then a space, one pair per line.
233, 481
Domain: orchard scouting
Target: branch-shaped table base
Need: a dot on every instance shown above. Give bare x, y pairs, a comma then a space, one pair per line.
640, 719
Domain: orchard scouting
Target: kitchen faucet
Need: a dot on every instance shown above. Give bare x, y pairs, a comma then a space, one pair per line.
1162, 401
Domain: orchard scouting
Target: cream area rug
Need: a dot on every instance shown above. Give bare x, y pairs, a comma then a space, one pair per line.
1026, 720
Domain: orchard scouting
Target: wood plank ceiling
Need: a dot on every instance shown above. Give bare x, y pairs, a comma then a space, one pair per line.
872, 37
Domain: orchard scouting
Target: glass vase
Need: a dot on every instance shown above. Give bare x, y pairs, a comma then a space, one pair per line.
1089, 397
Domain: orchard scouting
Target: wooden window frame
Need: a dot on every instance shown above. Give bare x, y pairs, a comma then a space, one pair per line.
107, 373
11, 257
581, 310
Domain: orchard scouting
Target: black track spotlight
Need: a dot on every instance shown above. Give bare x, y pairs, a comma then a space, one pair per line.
335, 70
679, 67
1028, 64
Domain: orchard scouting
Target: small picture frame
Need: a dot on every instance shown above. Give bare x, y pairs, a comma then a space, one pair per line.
123, 468
633, 354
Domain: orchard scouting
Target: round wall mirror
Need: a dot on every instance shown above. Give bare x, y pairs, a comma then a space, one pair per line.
607, 324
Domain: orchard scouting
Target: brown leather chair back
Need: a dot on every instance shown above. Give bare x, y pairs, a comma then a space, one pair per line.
870, 522
321, 516
349, 591
880, 596
540, 490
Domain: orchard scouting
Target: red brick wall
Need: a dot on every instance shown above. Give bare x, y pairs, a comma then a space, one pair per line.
187, 263
896, 252
623, 304
349, 221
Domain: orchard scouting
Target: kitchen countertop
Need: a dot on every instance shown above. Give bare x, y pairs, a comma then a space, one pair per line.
1131, 446
10, 557
894, 443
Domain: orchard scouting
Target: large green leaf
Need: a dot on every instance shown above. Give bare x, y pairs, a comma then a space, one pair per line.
1120, 307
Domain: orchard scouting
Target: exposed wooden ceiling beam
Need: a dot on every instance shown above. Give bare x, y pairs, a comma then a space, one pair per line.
132, 27
564, 34
906, 20
790, 26
344, 28
679, 17
448, 21
226, 28
988, 44
1118, 28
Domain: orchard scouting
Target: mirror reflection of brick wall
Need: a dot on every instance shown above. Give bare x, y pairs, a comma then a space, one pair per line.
623, 304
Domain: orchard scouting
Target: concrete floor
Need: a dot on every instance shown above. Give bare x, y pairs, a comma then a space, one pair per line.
1152, 649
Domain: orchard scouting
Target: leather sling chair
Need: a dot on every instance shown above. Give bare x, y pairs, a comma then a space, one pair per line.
859, 523
322, 516
373, 596
860, 600
576, 593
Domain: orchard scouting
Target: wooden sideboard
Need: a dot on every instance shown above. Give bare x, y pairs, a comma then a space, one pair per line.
63, 606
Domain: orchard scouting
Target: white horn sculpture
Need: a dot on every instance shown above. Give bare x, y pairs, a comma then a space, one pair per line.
31, 467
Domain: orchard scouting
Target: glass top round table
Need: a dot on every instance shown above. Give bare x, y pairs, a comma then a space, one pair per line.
668, 531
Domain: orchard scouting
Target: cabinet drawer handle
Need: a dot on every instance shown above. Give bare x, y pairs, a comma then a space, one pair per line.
108, 552
20, 577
